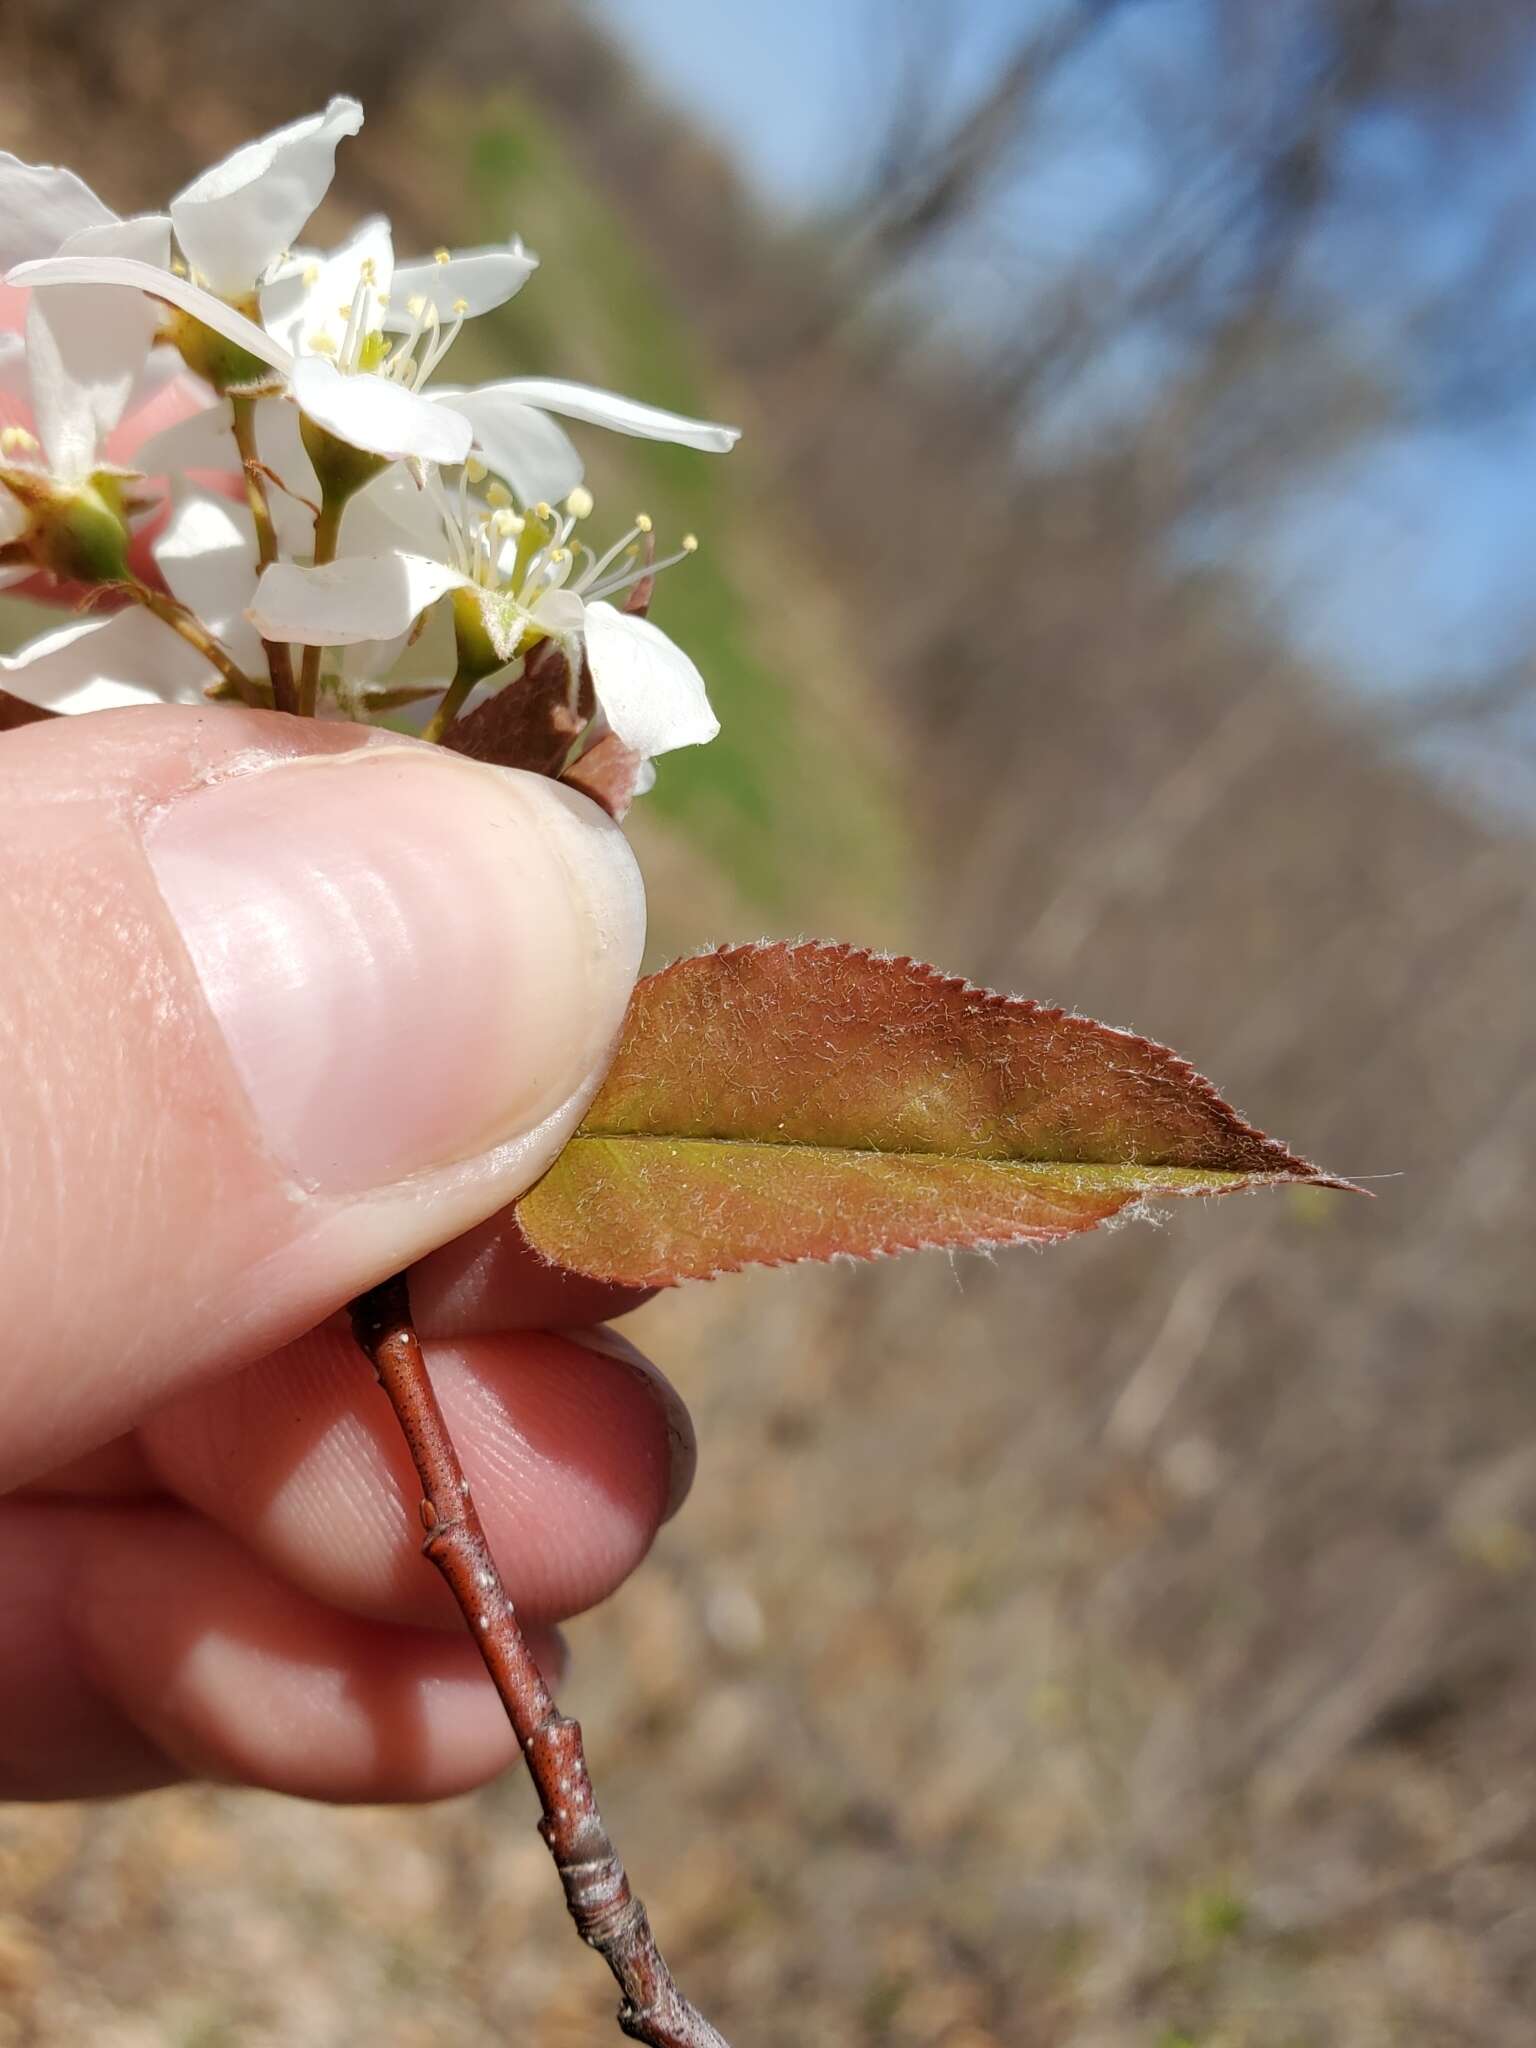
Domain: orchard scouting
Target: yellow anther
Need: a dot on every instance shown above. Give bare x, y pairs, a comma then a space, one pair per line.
474, 469
690, 543
543, 511
17, 441
559, 554
416, 305
505, 524
579, 503
498, 496
460, 308
310, 276
345, 312
442, 255
643, 521
323, 344
367, 270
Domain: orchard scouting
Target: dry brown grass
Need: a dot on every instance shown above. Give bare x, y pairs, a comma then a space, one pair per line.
1208, 1550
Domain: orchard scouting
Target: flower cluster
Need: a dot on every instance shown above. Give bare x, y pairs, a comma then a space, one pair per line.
236, 452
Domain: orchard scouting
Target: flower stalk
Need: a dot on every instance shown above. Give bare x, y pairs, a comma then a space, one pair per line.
285, 696
327, 540
607, 1914
181, 621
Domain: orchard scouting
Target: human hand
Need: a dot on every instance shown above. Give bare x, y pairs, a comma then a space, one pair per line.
285, 1007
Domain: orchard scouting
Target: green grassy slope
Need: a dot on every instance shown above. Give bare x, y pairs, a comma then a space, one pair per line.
800, 786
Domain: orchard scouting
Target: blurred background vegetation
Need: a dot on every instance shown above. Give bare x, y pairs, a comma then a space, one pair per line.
1122, 594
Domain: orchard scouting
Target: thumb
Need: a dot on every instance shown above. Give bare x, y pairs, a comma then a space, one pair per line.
282, 1007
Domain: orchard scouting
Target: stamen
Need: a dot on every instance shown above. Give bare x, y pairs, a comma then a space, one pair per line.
630, 577
643, 522
452, 530
474, 469
579, 503
442, 255
438, 348
354, 315
17, 441
626, 540
497, 495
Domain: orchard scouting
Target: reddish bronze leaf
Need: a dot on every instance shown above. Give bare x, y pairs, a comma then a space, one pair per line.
531, 722
609, 773
771, 1103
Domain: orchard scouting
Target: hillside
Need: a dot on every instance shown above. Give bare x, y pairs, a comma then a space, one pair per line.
1125, 1648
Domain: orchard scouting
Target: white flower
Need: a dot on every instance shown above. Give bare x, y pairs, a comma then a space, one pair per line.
355, 354
84, 355
81, 361
236, 220
526, 582
235, 226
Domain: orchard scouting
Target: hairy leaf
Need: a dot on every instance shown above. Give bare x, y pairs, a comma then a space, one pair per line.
776, 1102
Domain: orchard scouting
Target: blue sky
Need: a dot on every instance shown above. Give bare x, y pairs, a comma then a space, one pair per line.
1399, 568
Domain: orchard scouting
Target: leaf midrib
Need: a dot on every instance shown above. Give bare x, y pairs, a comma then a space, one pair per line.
1017, 1165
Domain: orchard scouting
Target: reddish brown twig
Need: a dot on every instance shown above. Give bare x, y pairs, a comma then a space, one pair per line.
608, 1916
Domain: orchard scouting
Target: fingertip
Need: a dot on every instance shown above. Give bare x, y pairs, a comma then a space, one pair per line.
570, 1454
246, 1679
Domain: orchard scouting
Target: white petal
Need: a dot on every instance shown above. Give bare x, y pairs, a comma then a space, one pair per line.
560, 612
428, 655
314, 300
207, 555
203, 440
41, 207
13, 524
280, 445
361, 597
160, 284
651, 693
100, 664
15, 381
524, 447
87, 349
378, 415
472, 281
237, 218
394, 512
623, 415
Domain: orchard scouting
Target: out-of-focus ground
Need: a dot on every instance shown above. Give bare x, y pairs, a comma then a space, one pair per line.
1126, 1647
